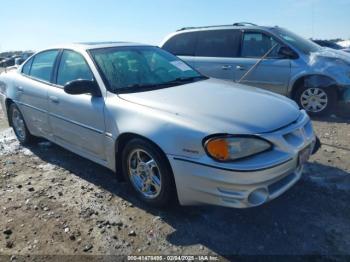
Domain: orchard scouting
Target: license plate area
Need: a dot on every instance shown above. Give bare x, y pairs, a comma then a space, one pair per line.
304, 155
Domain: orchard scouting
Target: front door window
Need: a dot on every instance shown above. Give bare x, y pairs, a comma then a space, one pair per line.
256, 45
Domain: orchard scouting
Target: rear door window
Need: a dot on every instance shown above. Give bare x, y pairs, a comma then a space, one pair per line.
218, 43
73, 67
181, 44
257, 44
43, 64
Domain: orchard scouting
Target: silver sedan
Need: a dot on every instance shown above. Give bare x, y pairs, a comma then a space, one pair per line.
173, 133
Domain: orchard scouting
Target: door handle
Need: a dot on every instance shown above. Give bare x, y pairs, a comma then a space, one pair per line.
54, 99
19, 89
226, 67
240, 68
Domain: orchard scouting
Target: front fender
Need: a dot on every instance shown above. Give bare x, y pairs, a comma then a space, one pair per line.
173, 134
319, 81
313, 80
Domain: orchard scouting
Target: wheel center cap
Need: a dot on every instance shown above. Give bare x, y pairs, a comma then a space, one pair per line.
313, 99
143, 169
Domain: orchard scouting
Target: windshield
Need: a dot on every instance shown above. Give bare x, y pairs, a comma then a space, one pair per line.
138, 68
302, 44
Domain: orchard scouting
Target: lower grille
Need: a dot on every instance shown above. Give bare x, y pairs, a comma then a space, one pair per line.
281, 183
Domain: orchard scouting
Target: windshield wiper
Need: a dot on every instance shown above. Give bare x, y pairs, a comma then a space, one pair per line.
177, 81
182, 80
140, 88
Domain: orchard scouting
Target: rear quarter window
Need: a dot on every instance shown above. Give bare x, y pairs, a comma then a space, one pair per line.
26, 67
182, 44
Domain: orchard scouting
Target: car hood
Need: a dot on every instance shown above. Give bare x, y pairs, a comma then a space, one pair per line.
222, 106
328, 57
333, 63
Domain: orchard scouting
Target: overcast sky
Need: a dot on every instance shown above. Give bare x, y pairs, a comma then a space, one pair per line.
35, 24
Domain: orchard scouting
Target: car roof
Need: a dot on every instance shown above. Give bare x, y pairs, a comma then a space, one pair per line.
237, 26
223, 27
83, 46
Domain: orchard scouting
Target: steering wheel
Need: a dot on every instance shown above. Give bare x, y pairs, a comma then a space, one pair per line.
159, 72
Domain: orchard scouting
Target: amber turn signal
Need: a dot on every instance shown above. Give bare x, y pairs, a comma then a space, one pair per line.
218, 148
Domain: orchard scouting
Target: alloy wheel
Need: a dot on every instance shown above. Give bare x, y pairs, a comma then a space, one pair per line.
144, 173
18, 124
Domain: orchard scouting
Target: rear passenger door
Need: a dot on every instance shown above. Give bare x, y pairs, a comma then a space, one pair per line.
32, 87
216, 53
273, 73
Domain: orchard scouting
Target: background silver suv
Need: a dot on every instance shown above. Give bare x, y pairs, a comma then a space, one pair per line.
267, 57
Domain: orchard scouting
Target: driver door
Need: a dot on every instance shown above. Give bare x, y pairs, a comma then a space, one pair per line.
77, 121
272, 73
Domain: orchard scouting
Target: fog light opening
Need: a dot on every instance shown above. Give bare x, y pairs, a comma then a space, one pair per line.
258, 197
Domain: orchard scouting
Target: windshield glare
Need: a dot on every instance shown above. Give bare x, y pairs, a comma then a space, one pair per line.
135, 67
302, 44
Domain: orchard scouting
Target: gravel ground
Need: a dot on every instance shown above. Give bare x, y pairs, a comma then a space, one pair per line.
54, 202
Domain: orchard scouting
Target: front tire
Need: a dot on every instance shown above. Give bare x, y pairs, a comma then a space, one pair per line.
317, 101
148, 172
19, 126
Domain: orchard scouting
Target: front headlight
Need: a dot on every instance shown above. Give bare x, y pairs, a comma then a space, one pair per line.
230, 148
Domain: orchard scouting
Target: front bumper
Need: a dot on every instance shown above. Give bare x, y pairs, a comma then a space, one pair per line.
199, 184
247, 184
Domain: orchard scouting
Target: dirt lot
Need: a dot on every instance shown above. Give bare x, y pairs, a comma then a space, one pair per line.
54, 202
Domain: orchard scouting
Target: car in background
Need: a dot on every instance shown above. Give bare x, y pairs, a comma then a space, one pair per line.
330, 44
10, 61
272, 58
15, 60
172, 132
345, 44
23, 57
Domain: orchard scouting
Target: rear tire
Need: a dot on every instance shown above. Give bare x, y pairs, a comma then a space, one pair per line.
19, 126
148, 172
317, 101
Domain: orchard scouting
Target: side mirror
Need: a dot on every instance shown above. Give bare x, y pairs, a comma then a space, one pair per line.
286, 52
78, 87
